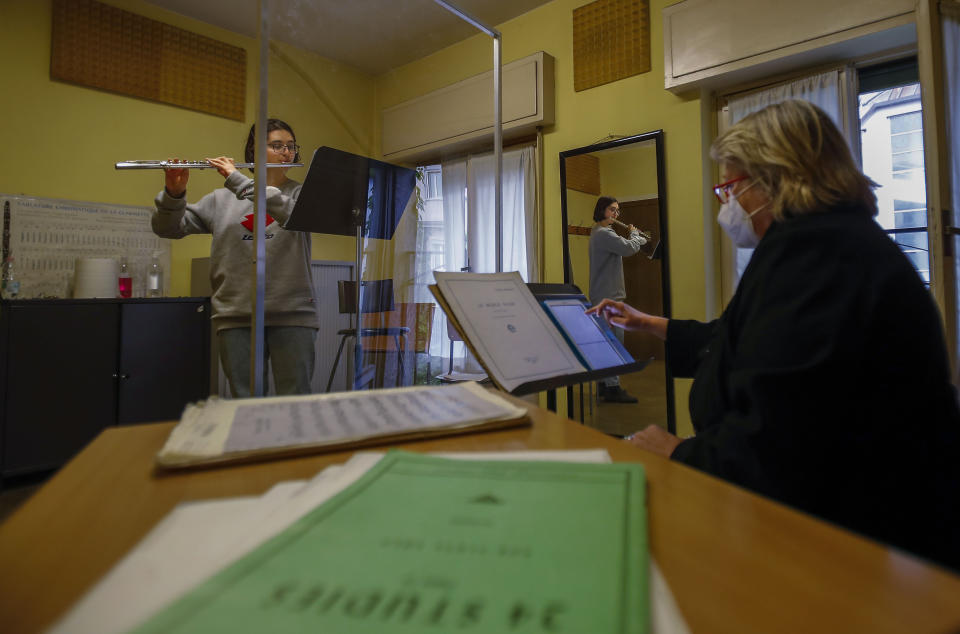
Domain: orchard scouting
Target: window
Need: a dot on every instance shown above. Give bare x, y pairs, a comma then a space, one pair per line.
432, 183
822, 89
457, 232
429, 233
427, 258
891, 141
906, 144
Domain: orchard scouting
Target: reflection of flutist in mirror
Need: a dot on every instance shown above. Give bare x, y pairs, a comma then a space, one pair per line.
607, 250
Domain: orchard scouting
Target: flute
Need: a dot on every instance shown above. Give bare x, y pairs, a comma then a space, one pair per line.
194, 165
643, 234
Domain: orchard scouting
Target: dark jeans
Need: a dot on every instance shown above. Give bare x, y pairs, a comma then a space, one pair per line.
291, 349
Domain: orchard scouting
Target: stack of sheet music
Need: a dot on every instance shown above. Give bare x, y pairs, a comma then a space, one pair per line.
401, 542
217, 431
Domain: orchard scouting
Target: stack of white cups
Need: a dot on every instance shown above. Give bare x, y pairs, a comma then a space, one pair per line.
95, 277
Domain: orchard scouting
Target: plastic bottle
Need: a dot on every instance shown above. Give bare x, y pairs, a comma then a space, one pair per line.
10, 286
124, 281
155, 277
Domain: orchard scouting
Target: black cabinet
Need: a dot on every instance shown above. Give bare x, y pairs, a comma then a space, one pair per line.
73, 367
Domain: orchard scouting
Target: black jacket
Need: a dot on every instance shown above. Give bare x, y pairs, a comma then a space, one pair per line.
825, 385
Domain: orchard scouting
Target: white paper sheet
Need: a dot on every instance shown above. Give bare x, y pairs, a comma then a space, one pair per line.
217, 427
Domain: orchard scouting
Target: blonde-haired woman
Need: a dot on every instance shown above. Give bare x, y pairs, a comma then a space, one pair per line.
825, 383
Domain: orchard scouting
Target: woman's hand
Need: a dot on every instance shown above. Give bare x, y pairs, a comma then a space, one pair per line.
175, 179
223, 164
655, 440
627, 317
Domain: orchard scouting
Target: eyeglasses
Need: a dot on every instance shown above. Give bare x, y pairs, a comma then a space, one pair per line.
723, 190
615, 210
279, 147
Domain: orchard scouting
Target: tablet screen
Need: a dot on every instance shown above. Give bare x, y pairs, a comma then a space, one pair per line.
590, 335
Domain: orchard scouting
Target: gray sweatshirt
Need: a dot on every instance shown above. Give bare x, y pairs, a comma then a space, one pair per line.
607, 250
227, 213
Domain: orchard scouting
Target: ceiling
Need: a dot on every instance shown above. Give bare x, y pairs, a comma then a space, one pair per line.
373, 36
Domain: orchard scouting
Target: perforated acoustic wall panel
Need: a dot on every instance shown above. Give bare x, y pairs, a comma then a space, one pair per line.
100, 46
611, 41
583, 173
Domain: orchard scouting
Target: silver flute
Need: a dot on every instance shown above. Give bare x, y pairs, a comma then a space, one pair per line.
193, 165
643, 234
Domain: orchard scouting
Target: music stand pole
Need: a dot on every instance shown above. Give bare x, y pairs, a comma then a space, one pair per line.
497, 122
340, 196
357, 348
257, 309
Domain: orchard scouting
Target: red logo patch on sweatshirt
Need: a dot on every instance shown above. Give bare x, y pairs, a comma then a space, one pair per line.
248, 222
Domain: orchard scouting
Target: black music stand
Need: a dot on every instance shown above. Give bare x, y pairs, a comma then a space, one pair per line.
347, 194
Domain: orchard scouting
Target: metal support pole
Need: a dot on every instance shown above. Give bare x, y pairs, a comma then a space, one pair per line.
498, 147
357, 346
497, 121
260, 210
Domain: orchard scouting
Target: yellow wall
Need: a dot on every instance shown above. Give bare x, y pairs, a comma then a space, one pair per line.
629, 106
62, 140
66, 138
579, 213
629, 174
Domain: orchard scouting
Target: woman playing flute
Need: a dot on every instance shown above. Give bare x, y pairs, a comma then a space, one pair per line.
290, 311
607, 250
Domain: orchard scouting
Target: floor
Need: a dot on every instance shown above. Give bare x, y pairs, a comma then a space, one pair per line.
622, 419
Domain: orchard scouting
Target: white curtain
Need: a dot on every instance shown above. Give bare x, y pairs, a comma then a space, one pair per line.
469, 219
453, 178
950, 21
823, 90
519, 199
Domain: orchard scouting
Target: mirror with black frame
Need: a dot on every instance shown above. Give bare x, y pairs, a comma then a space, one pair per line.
630, 171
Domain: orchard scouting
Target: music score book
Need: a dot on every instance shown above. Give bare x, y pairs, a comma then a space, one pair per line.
201, 537
218, 431
422, 544
527, 345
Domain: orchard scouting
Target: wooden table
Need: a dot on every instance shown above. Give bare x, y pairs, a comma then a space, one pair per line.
736, 562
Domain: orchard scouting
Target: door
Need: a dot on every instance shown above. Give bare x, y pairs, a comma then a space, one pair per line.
61, 389
326, 274
164, 359
642, 276
643, 282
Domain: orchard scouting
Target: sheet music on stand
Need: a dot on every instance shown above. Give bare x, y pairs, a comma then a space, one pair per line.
339, 183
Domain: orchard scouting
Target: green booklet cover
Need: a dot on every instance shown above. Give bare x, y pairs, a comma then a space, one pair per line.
424, 544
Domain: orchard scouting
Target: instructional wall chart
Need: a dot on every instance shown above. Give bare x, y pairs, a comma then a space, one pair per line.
46, 237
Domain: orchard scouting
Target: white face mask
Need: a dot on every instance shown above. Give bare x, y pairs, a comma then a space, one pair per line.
736, 222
